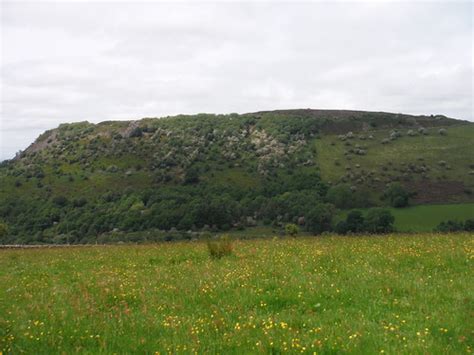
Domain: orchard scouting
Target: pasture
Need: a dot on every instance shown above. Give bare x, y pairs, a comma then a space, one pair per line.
425, 218
375, 294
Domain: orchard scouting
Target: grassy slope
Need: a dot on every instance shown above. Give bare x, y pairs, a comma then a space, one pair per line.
425, 218
397, 294
456, 149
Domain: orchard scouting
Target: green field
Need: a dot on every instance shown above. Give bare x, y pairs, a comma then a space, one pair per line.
380, 294
426, 218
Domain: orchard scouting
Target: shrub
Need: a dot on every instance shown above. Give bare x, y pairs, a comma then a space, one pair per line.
136, 132
60, 201
3, 230
291, 229
355, 222
469, 225
319, 218
79, 202
219, 247
341, 228
450, 226
455, 226
396, 195
340, 196
379, 220
423, 131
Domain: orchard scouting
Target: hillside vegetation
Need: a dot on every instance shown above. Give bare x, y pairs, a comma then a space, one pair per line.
395, 294
217, 172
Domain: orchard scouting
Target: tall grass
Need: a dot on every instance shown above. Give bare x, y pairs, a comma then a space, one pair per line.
220, 246
395, 294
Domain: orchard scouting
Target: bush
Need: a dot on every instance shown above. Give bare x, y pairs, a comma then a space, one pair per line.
136, 132
79, 202
3, 231
341, 228
291, 229
319, 218
469, 225
450, 226
340, 196
219, 247
355, 222
396, 195
455, 226
379, 220
60, 201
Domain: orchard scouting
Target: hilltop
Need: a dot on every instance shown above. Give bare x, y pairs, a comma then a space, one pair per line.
189, 172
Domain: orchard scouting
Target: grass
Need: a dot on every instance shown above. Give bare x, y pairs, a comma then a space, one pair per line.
392, 294
426, 218
423, 218
455, 148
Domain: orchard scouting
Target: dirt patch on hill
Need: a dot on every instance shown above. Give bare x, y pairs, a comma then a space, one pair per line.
438, 191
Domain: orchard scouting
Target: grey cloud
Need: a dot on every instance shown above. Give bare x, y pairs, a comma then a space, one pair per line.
64, 62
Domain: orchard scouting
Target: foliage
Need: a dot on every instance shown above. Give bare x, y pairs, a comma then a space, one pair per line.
455, 226
355, 222
83, 182
396, 195
3, 230
469, 225
340, 196
136, 132
379, 220
376, 220
291, 229
319, 218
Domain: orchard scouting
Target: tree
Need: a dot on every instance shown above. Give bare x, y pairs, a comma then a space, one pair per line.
341, 228
291, 229
396, 195
3, 231
469, 225
355, 222
450, 226
319, 218
136, 132
379, 220
191, 176
340, 196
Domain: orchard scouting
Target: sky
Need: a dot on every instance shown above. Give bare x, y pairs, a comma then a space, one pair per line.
75, 61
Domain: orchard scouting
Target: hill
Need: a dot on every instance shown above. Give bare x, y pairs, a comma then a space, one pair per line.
82, 180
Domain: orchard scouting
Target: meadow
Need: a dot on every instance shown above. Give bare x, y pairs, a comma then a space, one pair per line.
426, 217
393, 294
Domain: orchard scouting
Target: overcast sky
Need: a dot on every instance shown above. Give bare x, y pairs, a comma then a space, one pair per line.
64, 62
